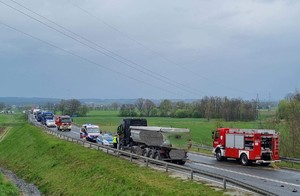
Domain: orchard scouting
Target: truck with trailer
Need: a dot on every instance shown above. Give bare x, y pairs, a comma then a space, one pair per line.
63, 123
46, 116
152, 142
246, 145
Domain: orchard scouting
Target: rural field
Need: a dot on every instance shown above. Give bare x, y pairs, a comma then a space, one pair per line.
200, 128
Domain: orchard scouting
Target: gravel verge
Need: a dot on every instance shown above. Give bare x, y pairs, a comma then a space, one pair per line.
25, 188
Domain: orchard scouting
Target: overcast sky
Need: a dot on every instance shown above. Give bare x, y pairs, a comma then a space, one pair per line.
156, 49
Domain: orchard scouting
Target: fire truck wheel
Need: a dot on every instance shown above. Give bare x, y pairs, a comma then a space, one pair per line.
244, 159
219, 155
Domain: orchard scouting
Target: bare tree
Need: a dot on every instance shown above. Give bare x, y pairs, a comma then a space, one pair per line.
208, 110
62, 106
148, 106
115, 106
139, 104
72, 106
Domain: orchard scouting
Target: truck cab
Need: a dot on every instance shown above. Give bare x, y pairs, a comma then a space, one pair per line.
124, 129
47, 116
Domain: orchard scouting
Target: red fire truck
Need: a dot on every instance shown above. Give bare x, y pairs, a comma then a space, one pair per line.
247, 145
63, 123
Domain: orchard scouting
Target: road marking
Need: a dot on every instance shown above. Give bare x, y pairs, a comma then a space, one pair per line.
249, 175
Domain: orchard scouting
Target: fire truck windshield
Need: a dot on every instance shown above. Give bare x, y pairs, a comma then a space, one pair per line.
66, 120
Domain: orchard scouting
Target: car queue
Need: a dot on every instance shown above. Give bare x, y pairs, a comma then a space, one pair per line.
89, 132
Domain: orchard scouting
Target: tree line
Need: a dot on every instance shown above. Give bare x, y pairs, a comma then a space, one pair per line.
288, 115
72, 107
208, 107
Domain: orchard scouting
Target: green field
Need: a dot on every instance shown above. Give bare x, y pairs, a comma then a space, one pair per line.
200, 128
59, 167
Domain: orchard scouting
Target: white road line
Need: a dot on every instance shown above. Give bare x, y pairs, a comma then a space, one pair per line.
249, 175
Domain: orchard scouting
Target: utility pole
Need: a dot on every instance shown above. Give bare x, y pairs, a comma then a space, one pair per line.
258, 111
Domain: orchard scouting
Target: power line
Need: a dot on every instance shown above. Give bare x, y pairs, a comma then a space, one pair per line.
153, 51
88, 60
152, 74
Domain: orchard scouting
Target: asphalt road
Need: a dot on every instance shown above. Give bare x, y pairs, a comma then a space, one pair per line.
278, 181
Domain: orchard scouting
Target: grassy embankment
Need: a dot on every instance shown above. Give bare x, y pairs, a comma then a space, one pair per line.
6, 187
59, 167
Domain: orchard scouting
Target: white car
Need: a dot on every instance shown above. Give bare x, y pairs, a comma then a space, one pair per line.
90, 132
50, 123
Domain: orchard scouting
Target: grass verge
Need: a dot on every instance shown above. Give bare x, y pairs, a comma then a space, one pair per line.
289, 165
59, 167
7, 188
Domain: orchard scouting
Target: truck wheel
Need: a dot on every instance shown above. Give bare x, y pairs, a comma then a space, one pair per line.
219, 156
150, 153
145, 152
244, 159
156, 156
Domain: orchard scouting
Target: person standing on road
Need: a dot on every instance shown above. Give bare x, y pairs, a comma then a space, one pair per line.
115, 141
190, 144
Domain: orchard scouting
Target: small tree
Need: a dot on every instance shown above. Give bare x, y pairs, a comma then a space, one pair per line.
165, 107
128, 110
72, 106
83, 110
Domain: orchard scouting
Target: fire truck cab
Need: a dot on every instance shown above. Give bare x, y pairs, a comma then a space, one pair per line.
247, 145
63, 123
